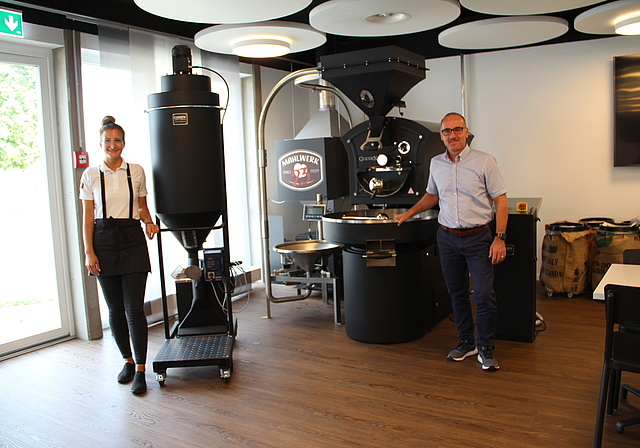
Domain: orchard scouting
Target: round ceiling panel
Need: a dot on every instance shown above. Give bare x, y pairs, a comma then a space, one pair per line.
524, 7
371, 18
603, 19
225, 38
503, 32
222, 11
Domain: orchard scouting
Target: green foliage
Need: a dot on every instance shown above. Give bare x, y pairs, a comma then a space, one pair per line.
25, 302
19, 140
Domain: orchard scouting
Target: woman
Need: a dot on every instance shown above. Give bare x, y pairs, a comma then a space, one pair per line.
114, 201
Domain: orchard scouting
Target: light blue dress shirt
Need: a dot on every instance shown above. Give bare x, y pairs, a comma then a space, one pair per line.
465, 187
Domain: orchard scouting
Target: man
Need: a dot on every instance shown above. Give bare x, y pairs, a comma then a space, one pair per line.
467, 184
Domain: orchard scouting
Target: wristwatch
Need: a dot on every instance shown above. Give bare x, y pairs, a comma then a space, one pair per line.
502, 236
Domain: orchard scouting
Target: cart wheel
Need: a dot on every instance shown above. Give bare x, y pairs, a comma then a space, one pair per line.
549, 293
225, 374
160, 378
569, 294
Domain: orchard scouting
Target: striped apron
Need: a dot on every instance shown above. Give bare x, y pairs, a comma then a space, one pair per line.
119, 243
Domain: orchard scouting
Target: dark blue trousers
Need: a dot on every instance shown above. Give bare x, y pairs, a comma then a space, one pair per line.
459, 257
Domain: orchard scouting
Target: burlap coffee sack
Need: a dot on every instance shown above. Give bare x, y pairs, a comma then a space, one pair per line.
609, 249
565, 261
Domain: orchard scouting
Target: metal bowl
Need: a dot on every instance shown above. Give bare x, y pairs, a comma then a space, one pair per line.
306, 253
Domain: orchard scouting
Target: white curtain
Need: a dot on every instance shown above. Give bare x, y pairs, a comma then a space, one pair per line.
120, 68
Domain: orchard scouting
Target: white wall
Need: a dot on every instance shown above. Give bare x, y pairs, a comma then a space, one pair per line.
551, 126
439, 93
546, 114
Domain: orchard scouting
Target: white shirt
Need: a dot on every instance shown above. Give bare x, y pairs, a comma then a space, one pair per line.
466, 188
117, 189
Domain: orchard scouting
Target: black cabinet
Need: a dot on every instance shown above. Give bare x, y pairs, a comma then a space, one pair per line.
515, 278
438, 299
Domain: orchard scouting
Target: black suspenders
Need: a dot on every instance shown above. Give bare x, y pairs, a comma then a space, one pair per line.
130, 192
104, 200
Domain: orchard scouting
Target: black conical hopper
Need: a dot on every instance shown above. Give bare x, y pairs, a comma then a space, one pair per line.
375, 79
197, 227
187, 157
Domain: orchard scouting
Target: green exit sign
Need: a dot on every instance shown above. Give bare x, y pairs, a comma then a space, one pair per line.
11, 23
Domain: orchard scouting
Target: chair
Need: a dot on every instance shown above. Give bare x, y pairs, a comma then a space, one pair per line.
621, 349
628, 421
631, 256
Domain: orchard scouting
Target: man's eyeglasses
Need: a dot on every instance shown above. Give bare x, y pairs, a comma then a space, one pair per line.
447, 131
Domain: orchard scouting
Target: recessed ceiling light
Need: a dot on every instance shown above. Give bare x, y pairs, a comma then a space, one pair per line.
261, 48
387, 17
628, 27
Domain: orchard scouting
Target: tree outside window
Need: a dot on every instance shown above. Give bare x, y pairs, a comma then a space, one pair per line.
19, 138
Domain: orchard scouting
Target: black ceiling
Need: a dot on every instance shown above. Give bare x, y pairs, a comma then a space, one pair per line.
47, 12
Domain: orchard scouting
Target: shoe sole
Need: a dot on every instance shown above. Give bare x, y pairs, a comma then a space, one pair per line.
139, 391
466, 355
488, 368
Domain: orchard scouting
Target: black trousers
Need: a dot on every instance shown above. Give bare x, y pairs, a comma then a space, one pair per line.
124, 295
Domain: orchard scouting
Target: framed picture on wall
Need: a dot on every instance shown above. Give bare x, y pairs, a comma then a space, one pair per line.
627, 110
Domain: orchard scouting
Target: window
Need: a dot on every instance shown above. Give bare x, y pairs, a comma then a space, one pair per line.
120, 68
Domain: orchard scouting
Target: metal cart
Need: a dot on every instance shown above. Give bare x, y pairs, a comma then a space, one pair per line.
204, 332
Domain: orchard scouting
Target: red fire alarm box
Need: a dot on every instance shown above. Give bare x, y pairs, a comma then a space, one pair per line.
80, 159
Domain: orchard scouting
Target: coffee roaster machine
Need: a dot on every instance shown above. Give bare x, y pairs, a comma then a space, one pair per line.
394, 290
393, 286
190, 193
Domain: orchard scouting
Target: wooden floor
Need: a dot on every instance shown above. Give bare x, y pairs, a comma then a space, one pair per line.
299, 381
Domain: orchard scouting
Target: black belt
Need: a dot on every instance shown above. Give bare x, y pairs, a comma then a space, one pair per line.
465, 232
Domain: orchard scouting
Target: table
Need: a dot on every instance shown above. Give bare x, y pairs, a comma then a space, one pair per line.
618, 274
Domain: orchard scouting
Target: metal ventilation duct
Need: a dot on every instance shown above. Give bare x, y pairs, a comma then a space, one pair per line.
327, 121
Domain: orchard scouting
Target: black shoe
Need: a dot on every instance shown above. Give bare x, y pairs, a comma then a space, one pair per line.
139, 385
126, 374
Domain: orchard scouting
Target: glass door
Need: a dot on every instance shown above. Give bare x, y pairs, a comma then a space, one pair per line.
34, 306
